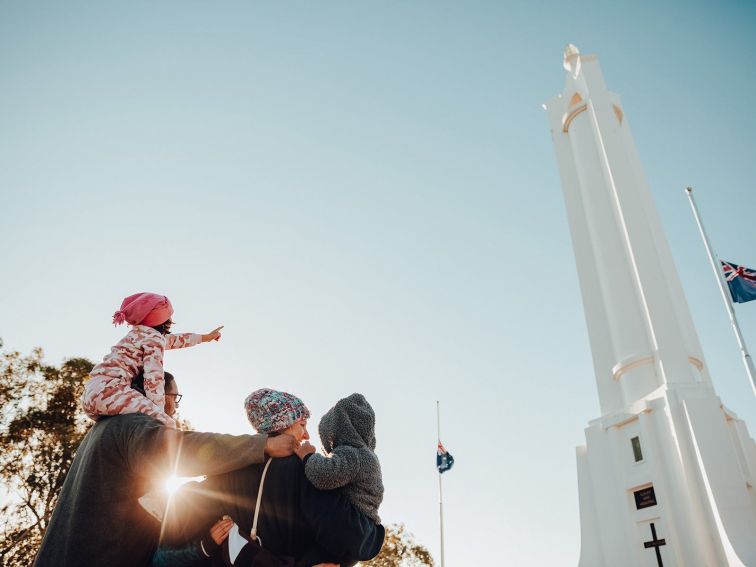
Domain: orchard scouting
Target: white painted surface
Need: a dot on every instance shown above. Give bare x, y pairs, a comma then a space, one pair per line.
651, 375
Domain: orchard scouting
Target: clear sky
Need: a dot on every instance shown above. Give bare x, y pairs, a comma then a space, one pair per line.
366, 195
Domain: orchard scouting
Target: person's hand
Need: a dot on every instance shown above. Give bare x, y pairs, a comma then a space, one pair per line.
280, 446
213, 335
305, 449
219, 531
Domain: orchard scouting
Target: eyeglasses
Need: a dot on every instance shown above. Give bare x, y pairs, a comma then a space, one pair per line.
178, 397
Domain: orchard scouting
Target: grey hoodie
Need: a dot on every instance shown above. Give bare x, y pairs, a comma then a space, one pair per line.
348, 435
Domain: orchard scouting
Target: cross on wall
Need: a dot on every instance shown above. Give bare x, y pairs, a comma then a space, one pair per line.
656, 544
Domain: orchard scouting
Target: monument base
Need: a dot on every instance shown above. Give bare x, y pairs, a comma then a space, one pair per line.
670, 483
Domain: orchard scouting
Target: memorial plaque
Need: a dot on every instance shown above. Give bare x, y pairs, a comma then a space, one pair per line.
645, 497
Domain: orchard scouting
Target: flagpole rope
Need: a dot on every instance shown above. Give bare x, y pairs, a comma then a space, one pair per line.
716, 265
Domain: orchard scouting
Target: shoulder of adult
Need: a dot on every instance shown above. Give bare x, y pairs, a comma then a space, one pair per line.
128, 421
291, 465
133, 427
131, 437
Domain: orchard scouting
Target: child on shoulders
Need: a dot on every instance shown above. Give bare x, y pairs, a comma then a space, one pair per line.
109, 389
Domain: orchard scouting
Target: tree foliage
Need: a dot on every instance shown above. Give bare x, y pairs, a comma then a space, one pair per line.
400, 550
41, 426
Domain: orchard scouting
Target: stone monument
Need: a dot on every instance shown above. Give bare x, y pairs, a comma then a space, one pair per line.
667, 474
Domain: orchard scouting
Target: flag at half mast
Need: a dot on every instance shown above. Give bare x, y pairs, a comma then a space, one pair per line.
741, 281
444, 460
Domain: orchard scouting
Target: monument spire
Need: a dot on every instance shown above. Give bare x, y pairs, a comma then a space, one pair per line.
638, 320
571, 58
665, 457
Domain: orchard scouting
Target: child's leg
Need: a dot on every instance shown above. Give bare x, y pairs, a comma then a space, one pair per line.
116, 399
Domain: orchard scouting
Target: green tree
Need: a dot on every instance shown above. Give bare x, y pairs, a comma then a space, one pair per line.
400, 550
41, 425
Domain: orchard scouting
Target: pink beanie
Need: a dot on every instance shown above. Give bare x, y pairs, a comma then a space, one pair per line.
144, 308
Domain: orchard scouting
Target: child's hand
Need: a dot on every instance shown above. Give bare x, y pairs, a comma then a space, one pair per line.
213, 335
219, 531
304, 449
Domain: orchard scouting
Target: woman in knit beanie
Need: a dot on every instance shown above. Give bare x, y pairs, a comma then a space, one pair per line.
306, 526
274, 412
109, 389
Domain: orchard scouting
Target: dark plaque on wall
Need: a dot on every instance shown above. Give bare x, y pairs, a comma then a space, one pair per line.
645, 497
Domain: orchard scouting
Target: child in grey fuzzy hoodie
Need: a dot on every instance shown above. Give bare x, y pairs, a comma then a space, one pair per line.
347, 431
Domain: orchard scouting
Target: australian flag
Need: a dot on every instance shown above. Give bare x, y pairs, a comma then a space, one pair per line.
741, 281
444, 460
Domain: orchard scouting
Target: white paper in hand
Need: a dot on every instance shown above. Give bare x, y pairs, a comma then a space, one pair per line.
235, 543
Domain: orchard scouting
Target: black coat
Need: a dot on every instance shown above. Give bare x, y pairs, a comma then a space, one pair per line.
98, 521
296, 519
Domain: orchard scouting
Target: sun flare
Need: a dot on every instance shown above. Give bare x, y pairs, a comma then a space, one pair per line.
173, 483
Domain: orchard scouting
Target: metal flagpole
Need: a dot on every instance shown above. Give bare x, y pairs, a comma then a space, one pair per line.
716, 265
440, 489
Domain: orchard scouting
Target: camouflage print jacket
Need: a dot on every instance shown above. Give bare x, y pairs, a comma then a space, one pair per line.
141, 349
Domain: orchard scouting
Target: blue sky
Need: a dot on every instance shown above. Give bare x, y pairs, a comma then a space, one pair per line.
366, 195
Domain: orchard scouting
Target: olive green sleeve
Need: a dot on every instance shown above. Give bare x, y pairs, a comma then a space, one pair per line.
153, 450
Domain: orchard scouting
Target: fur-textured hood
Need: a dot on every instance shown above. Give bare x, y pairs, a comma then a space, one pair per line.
350, 422
347, 431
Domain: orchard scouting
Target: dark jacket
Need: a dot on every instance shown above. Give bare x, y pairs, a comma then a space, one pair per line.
98, 521
296, 519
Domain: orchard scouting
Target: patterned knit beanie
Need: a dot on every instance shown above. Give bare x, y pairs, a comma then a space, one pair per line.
270, 410
144, 308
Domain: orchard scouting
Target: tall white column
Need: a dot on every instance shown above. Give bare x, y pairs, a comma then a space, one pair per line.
639, 324
667, 472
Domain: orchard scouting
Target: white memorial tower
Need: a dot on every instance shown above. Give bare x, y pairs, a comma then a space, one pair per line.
667, 474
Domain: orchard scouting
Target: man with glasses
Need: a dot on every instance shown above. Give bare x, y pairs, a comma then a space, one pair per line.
98, 520
172, 397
